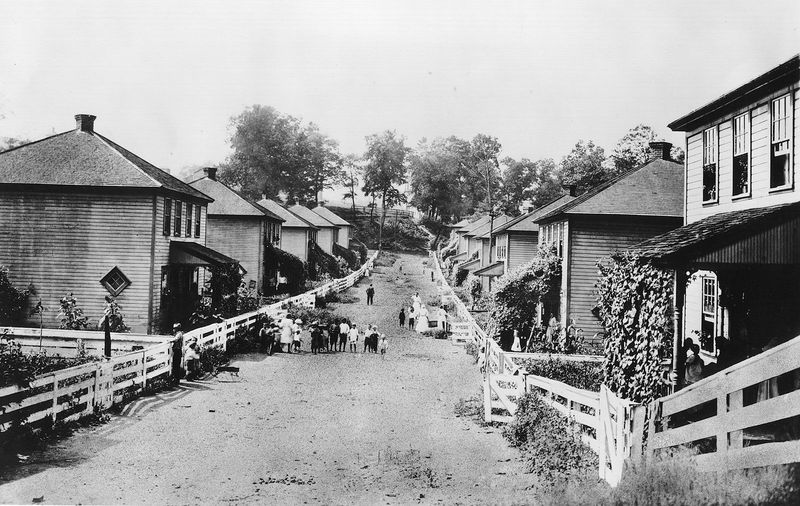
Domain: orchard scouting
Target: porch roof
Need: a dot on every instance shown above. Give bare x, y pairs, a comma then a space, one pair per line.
192, 253
493, 270
760, 236
471, 265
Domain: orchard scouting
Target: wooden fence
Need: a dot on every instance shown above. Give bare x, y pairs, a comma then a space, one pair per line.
77, 391
736, 430
64, 342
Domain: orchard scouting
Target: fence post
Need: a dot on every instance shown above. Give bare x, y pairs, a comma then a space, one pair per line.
487, 399
55, 396
144, 370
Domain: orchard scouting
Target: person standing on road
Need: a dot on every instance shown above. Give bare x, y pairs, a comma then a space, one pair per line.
384, 345
333, 335
370, 295
177, 353
344, 334
402, 317
352, 336
286, 334
411, 318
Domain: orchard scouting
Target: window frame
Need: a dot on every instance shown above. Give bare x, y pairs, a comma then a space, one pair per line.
178, 218
115, 291
189, 216
198, 214
747, 149
710, 151
166, 227
788, 139
709, 311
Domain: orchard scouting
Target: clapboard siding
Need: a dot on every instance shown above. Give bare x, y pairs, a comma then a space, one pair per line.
67, 242
594, 238
241, 238
484, 252
295, 241
759, 159
344, 236
325, 239
522, 248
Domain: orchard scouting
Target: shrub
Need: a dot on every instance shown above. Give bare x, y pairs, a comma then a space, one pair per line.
350, 256
584, 375
116, 319
20, 368
516, 294
12, 300
474, 285
71, 315
461, 275
321, 264
552, 452
289, 266
212, 357
360, 249
472, 349
635, 302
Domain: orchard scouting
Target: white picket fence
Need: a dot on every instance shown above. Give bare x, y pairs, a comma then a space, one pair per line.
72, 393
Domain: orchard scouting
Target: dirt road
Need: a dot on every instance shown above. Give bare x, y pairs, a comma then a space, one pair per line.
298, 429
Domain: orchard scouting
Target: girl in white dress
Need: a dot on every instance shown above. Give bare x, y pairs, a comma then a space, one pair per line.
422, 319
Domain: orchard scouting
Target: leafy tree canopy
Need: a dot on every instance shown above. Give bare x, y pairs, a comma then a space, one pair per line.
384, 170
583, 166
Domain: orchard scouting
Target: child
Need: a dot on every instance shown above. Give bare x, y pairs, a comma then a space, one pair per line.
402, 317
353, 338
411, 317
333, 335
296, 334
384, 345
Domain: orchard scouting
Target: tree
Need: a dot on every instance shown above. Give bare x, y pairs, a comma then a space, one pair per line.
518, 184
583, 166
634, 150
324, 160
440, 179
484, 150
385, 168
351, 181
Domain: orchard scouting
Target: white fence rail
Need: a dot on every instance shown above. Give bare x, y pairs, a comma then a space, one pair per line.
77, 391
64, 342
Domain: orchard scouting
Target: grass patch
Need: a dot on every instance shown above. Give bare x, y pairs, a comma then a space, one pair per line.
411, 466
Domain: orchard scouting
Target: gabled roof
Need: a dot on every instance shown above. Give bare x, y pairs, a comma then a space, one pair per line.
331, 216
198, 251
784, 74
291, 220
718, 230
469, 230
460, 224
227, 202
311, 217
526, 222
473, 224
85, 159
652, 189
483, 232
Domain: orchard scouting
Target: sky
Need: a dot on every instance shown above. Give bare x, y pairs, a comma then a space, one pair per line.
164, 78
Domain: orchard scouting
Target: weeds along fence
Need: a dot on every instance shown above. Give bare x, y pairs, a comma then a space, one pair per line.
72, 393
603, 421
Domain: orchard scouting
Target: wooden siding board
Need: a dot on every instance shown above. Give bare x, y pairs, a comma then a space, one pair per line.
65, 243
590, 240
294, 241
240, 238
522, 249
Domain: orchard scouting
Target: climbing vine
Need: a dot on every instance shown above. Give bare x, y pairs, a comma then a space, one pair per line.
516, 294
635, 303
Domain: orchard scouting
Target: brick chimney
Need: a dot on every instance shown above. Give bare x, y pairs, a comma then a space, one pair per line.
84, 123
571, 188
210, 172
661, 150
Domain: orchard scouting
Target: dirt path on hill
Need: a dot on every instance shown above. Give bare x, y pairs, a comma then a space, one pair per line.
298, 429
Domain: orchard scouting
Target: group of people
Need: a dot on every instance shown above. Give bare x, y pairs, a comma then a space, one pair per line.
324, 338
416, 313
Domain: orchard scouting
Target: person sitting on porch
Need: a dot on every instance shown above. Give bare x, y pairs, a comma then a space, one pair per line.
694, 364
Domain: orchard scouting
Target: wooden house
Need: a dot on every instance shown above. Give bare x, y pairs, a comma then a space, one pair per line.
341, 236
327, 232
296, 234
517, 241
461, 253
642, 203
237, 227
740, 244
468, 245
483, 237
81, 214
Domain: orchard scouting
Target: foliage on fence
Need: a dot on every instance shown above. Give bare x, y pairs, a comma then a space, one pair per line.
20, 368
116, 318
12, 300
290, 267
350, 256
360, 248
225, 283
552, 452
635, 301
321, 264
515, 295
461, 275
583, 375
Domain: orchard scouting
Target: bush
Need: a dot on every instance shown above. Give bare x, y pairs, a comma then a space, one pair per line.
212, 357
360, 249
12, 300
461, 275
321, 264
472, 349
350, 256
71, 315
289, 266
552, 452
583, 375
116, 319
20, 368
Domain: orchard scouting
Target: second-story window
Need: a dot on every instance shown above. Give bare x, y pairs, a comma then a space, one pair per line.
197, 221
178, 217
741, 155
167, 216
189, 215
780, 175
710, 165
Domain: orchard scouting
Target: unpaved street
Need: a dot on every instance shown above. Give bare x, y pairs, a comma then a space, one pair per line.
294, 429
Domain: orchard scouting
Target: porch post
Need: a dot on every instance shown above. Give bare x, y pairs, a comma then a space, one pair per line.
678, 297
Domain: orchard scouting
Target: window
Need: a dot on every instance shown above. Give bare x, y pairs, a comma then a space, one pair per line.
167, 216
741, 154
708, 327
336, 235
115, 281
312, 235
501, 251
197, 221
178, 218
560, 239
188, 220
779, 168
710, 165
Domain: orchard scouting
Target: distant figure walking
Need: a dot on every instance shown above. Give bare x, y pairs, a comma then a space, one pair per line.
370, 294
402, 317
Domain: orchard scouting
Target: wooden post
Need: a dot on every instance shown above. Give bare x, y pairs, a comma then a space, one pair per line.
144, 369
55, 396
487, 399
678, 296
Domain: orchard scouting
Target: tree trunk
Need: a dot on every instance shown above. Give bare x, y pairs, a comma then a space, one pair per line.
383, 219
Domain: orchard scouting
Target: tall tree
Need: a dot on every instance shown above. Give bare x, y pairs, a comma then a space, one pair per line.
351, 180
518, 184
439, 178
584, 167
485, 149
633, 149
384, 170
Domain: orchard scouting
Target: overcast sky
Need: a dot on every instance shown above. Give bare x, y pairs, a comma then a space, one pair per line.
164, 78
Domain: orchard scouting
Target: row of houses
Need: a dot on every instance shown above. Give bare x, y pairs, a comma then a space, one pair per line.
80, 213
727, 224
